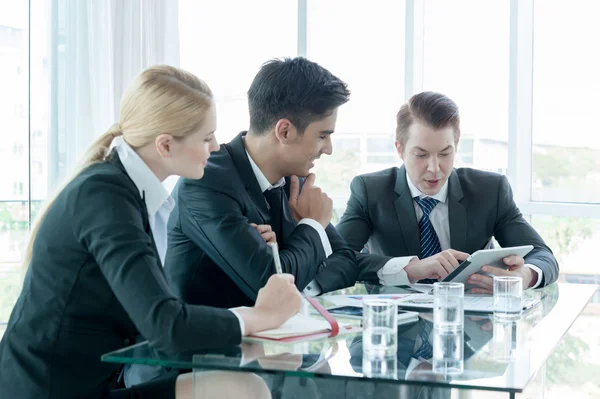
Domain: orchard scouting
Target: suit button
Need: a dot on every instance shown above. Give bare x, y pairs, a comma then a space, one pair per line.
126, 342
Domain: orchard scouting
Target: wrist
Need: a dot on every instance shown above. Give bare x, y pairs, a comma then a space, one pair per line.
408, 269
256, 319
533, 277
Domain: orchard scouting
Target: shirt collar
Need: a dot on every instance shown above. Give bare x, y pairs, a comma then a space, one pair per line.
144, 179
441, 196
262, 179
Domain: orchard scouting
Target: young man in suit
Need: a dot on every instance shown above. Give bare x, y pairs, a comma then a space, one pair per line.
215, 254
425, 217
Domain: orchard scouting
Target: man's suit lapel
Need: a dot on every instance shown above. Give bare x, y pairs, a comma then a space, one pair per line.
406, 216
240, 159
457, 214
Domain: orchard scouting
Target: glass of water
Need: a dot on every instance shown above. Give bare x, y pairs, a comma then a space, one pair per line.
504, 340
508, 295
448, 306
380, 323
448, 352
380, 367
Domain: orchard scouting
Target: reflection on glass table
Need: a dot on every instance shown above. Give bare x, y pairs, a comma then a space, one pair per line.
496, 355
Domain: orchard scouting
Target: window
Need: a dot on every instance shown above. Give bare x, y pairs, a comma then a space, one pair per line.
14, 223
566, 140
46, 170
13, 98
18, 188
18, 149
226, 42
365, 48
335, 172
465, 56
381, 153
381, 144
14, 207
465, 155
574, 242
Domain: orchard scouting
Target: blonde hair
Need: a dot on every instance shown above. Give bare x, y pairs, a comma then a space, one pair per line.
162, 99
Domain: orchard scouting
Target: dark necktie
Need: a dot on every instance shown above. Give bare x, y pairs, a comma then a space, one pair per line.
274, 198
425, 351
430, 244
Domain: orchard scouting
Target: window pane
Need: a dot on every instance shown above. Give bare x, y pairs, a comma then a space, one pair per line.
40, 133
14, 229
225, 43
466, 48
365, 48
566, 83
14, 101
14, 130
381, 144
575, 242
335, 172
383, 159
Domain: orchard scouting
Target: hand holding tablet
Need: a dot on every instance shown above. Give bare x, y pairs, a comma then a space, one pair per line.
489, 257
437, 266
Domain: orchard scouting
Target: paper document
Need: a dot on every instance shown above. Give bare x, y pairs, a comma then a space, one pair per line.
472, 303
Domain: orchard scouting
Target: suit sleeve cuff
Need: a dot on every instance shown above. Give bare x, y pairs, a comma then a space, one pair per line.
242, 324
312, 289
324, 239
392, 273
539, 274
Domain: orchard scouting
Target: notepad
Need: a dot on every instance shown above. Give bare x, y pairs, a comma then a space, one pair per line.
297, 325
300, 328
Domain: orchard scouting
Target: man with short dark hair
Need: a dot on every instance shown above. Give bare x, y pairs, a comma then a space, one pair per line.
421, 220
216, 255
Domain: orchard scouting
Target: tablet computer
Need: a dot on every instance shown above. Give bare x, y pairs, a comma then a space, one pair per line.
492, 257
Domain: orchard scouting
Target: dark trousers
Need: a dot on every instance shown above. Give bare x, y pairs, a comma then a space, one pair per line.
161, 387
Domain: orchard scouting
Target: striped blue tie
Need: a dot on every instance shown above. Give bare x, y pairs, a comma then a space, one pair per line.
425, 351
430, 244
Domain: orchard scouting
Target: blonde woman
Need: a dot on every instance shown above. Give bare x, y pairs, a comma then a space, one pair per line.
94, 280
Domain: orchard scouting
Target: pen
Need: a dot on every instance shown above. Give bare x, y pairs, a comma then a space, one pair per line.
279, 270
276, 259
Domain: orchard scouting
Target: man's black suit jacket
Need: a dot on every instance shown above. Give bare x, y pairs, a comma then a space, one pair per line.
480, 206
215, 257
94, 283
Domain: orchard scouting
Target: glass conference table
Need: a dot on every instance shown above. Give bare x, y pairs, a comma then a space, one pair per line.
497, 356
